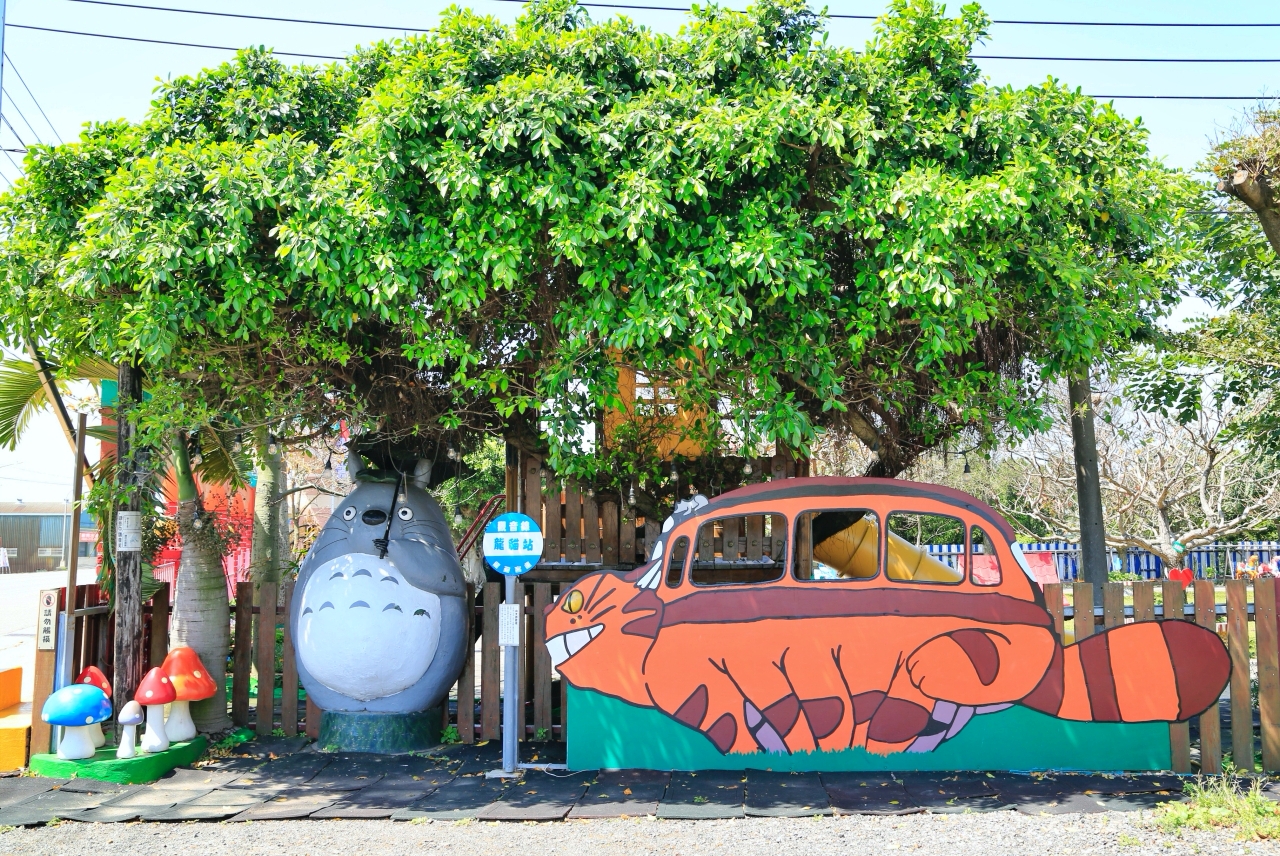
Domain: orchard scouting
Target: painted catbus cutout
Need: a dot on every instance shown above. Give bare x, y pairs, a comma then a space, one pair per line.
897, 653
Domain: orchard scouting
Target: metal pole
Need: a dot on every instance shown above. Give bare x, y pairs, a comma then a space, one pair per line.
510, 700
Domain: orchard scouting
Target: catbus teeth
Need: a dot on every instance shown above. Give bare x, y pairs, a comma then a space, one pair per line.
565, 645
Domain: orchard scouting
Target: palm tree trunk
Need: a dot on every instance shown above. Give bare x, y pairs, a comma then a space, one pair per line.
201, 615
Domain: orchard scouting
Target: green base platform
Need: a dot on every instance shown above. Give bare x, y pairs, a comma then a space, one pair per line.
105, 766
381, 733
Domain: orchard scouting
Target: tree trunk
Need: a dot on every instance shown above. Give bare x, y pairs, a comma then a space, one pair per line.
1255, 192
130, 658
270, 529
1093, 535
201, 613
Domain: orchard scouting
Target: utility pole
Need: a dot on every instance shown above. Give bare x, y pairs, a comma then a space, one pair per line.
1093, 535
131, 465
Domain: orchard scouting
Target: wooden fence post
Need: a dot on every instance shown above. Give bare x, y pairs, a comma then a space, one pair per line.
572, 523
467, 680
490, 666
242, 655
1053, 602
1179, 732
1264, 622
1112, 604
267, 594
551, 516
1238, 647
541, 661
1211, 719
609, 532
1082, 600
289, 671
160, 625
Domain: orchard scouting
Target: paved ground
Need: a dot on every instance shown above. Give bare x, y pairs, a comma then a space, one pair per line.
279, 779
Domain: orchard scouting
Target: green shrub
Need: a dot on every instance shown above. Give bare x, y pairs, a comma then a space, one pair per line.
1224, 802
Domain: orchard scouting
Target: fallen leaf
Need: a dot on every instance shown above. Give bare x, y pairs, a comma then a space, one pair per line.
627, 791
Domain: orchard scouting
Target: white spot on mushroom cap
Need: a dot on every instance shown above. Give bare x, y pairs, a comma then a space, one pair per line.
197, 673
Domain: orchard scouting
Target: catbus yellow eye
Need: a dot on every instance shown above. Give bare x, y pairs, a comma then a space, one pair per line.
573, 602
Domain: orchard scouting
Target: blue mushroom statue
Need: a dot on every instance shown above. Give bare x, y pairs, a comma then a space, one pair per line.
76, 707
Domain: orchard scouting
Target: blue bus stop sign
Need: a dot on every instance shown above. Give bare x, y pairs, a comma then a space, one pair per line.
512, 543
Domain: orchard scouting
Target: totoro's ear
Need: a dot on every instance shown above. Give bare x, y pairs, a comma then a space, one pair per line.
422, 474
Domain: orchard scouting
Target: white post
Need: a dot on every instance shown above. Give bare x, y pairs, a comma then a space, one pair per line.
511, 718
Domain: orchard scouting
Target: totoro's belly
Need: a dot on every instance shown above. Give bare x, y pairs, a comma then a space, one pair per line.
363, 630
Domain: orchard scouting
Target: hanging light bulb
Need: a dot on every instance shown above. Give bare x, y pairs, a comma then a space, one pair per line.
692, 490
237, 444
197, 522
746, 468
457, 518
451, 453
196, 458
328, 463
272, 446
631, 498
966, 463
591, 492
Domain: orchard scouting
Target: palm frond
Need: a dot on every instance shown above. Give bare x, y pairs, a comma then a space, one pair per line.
218, 462
21, 397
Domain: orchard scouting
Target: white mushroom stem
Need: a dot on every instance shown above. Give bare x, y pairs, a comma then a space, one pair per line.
95, 734
76, 744
155, 739
179, 726
125, 749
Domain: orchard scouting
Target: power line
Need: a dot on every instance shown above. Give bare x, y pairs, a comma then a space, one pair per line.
34, 100
1121, 58
15, 106
5, 119
253, 17
159, 41
994, 21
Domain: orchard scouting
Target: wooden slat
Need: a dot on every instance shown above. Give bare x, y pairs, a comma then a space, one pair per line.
525, 677
490, 666
755, 537
1264, 624
1211, 719
572, 523
1112, 604
242, 655
551, 546
467, 680
652, 529
706, 543
591, 530
532, 485
1238, 647
1053, 602
1082, 600
1174, 598
160, 625
288, 671
267, 594
541, 660
732, 546
609, 533
313, 719
627, 536
1144, 601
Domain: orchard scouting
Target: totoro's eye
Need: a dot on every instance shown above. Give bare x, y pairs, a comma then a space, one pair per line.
348, 513
573, 602
405, 514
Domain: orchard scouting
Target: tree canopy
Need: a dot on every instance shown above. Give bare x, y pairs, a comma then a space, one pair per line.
472, 230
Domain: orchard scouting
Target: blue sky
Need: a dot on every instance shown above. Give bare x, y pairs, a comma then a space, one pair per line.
79, 79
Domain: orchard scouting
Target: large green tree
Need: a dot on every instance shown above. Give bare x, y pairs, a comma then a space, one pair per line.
452, 233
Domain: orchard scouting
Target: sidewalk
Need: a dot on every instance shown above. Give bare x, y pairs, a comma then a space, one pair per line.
279, 779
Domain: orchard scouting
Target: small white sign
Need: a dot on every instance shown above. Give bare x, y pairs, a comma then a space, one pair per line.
47, 629
509, 625
128, 531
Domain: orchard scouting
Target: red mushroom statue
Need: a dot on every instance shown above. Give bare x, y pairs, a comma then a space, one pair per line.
191, 682
94, 677
155, 691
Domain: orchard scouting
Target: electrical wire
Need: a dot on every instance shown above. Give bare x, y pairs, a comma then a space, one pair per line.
1123, 58
253, 17
994, 20
9, 125
21, 115
9, 62
159, 41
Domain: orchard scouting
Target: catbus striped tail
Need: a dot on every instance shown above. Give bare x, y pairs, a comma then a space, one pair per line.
1144, 672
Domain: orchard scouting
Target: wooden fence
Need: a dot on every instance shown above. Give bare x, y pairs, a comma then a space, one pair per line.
1242, 602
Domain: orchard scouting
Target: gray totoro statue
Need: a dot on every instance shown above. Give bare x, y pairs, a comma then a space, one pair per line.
380, 625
